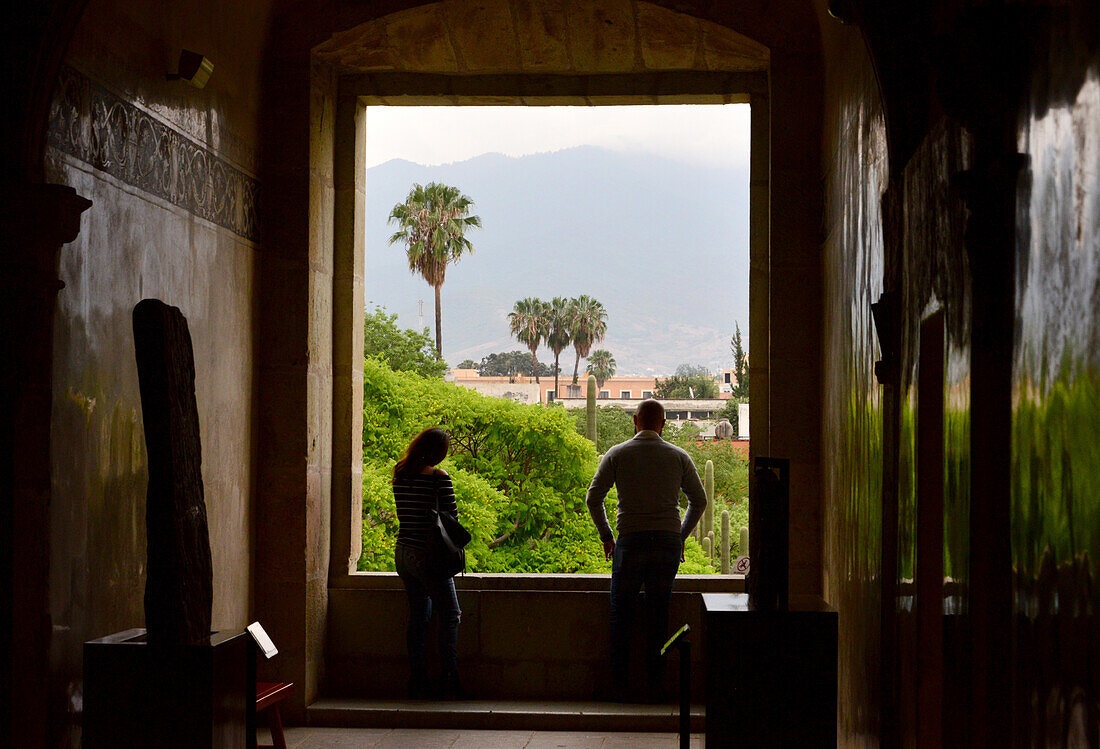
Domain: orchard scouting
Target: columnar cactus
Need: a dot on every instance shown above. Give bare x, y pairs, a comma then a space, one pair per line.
708, 485
725, 542
590, 421
743, 542
709, 545
706, 546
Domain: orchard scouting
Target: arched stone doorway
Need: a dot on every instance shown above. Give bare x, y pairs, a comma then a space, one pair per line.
458, 53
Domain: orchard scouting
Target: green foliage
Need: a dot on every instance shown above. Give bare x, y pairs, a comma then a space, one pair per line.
601, 365
1055, 482
529, 324
404, 350
558, 333
680, 387
731, 467
740, 365
692, 370
613, 425
520, 473
724, 545
587, 326
590, 425
432, 226
510, 364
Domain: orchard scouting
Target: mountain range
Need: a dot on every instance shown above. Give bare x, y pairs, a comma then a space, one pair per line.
662, 243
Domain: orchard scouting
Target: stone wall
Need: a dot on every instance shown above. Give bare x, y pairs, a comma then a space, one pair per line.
537, 637
522, 392
170, 170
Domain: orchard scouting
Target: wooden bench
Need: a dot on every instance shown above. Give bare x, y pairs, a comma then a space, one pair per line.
268, 696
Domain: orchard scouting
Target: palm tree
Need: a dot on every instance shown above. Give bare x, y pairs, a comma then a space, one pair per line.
588, 326
601, 365
527, 321
558, 333
433, 221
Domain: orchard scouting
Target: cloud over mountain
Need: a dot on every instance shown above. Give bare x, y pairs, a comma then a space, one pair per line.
663, 244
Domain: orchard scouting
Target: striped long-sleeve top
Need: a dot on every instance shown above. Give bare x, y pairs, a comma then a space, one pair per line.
414, 497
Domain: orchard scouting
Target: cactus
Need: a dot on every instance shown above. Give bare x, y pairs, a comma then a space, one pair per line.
743, 543
711, 547
708, 485
590, 421
706, 546
725, 542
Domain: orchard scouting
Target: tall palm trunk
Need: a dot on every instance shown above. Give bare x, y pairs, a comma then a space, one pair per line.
556, 355
534, 365
438, 327
576, 364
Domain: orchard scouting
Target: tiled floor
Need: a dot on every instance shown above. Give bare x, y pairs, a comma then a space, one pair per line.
416, 738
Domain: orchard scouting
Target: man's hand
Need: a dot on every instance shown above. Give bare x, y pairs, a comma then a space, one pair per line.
608, 548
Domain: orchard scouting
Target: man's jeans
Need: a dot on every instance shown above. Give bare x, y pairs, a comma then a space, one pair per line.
646, 559
424, 590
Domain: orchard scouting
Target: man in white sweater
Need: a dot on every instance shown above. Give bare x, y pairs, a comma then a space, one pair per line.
648, 474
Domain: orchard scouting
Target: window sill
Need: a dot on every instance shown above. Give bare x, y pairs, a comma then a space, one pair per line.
539, 582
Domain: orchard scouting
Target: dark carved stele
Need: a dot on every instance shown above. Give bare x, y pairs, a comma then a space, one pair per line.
97, 127
179, 584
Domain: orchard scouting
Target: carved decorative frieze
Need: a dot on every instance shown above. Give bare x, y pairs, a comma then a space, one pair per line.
94, 125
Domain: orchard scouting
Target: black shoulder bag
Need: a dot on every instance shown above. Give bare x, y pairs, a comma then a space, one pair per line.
448, 543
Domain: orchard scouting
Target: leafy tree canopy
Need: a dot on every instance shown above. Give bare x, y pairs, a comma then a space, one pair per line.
601, 365
433, 221
467, 364
403, 349
740, 364
680, 387
613, 425
692, 370
520, 474
510, 364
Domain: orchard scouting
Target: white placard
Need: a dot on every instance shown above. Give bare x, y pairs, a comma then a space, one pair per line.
262, 640
741, 567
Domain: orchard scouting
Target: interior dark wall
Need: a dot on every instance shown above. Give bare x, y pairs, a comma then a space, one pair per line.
1055, 382
170, 170
856, 174
940, 213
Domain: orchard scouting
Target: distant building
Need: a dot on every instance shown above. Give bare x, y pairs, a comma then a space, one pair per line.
727, 381
626, 392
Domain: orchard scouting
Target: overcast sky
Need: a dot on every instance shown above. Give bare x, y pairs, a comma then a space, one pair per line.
695, 133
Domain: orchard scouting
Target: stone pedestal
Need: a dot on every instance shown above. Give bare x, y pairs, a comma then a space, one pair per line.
195, 696
771, 675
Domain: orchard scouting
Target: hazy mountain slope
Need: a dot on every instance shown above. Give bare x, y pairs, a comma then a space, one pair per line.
664, 246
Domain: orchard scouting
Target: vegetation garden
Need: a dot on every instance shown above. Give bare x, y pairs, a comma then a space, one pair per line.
520, 473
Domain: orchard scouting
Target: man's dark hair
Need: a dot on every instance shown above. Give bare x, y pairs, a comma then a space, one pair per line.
650, 414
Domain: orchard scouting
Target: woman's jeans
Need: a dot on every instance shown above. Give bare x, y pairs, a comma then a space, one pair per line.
648, 559
425, 591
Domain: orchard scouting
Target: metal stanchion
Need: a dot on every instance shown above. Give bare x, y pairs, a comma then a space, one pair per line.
683, 644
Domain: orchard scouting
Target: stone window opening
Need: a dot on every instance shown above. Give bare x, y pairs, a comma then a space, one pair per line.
350, 140
361, 656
